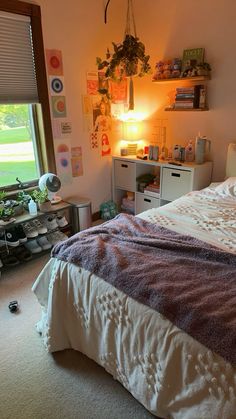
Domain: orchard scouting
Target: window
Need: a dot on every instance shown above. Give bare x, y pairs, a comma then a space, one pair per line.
26, 143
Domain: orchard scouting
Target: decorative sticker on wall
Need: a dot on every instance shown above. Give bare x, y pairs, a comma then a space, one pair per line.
76, 161
94, 141
58, 106
54, 62
57, 85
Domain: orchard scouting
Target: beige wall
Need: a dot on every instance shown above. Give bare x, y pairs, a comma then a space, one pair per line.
77, 28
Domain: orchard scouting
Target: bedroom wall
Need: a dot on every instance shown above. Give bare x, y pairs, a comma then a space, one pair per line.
166, 28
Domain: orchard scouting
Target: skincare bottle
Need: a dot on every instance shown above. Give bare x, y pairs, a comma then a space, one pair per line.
32, 207
189, 152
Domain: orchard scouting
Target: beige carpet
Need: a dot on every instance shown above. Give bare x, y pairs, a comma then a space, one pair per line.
35, 384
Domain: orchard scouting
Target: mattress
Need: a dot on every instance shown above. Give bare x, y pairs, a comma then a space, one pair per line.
169, 372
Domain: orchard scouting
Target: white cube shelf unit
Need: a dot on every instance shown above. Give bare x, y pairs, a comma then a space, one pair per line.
175, 181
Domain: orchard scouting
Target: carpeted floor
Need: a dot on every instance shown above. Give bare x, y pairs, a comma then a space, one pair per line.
35, 384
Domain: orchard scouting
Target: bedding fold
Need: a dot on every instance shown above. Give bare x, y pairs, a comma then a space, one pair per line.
191, 283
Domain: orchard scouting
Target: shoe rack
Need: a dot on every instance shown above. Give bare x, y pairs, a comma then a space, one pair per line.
18, 253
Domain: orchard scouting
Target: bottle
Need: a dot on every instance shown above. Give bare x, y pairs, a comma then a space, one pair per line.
189, 152
32, 207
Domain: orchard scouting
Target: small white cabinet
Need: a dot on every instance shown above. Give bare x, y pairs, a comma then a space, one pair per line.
175, 181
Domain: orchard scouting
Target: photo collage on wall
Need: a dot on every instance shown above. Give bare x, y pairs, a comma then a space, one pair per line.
101, 110
68, 159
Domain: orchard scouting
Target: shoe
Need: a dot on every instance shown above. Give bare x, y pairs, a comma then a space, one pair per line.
44, 243
41, 229
61, 221
33, 246
56, 237
22, 254
51, 223
9, 237
10, 260
21, 234
30, 231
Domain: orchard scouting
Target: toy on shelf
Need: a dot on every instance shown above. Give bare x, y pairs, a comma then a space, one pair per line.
167, 69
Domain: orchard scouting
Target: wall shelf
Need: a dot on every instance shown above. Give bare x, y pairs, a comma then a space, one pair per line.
186, 110
183, 79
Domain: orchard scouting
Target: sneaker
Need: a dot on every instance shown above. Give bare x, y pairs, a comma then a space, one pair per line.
30, 231
21, 234
44, 243
51, 223
22, 254
33, 246
41, 229
56, 237
9, 238
61, 221
10, 260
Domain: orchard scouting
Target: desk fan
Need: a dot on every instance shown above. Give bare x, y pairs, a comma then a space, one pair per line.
53, 185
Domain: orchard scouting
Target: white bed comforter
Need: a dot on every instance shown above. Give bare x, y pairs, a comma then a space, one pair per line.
170, 373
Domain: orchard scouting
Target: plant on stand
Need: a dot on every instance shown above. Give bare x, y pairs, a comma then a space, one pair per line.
6, 215
2, 197
41, 197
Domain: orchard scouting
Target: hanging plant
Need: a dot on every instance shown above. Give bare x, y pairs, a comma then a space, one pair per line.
128, 58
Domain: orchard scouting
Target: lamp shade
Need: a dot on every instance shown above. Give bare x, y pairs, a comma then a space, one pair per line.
132, 130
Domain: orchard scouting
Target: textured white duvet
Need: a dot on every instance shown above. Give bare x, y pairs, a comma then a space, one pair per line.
169, 372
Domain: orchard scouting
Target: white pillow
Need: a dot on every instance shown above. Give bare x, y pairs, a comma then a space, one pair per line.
228, 187
231, 160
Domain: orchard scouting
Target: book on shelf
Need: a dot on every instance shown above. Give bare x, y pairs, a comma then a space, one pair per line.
185, 105
188, 97
191, 57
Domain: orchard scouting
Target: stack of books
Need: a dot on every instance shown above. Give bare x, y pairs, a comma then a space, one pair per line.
152, 189
188, 97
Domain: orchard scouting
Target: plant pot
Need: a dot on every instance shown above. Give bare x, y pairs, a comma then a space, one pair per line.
45, 206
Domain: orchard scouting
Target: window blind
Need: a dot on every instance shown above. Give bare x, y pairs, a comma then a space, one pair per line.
17, 69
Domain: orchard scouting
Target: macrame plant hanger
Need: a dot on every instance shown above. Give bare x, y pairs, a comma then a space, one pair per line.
130, 28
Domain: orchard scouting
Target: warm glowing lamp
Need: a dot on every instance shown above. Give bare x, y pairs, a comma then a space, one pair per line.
132, 133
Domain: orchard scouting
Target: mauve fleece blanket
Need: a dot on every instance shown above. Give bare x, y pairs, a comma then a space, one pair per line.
190, 282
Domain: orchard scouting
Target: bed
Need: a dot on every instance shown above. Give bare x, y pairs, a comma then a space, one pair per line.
174, 374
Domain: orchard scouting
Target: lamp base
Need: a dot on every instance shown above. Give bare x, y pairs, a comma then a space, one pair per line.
56, 199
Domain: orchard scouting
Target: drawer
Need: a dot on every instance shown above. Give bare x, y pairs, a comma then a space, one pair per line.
145, 202
175, 183
125, 175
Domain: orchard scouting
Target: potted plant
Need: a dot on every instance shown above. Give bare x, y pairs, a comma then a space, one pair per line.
127, 60
6, 214
2, 196
41, 197
203, 69
23, 198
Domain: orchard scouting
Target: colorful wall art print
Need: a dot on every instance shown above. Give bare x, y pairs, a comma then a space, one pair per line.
54, 62
92, 82
76, 161
102, 115
57, 85
63, 163
58, 106
105, 145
